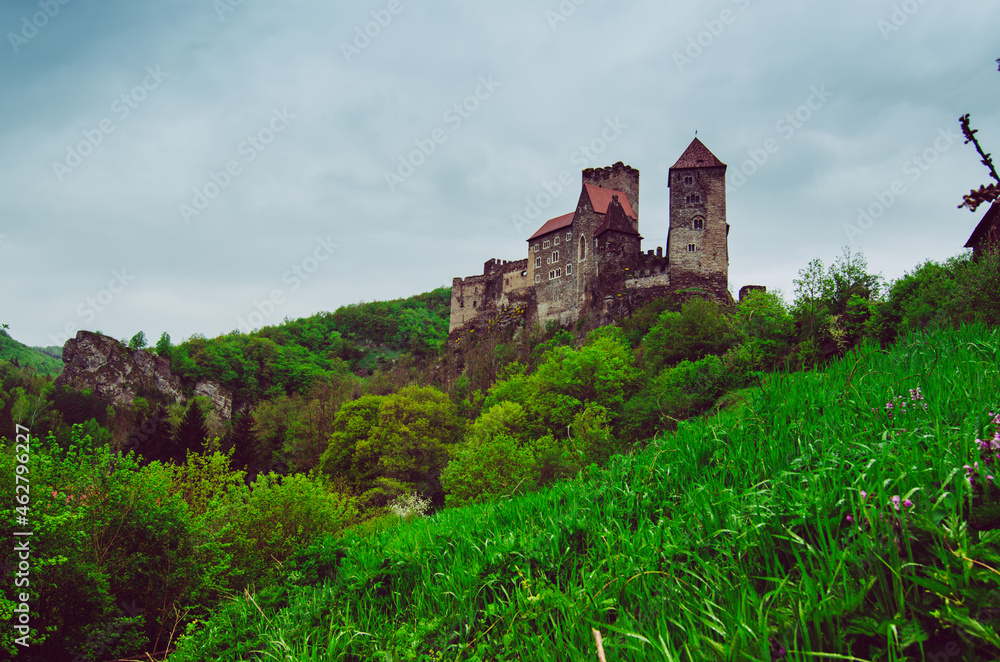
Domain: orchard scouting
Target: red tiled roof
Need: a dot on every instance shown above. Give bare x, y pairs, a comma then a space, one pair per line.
697, 156
554, 224
600, 198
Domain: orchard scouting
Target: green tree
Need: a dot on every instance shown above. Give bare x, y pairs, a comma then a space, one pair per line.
699, 329
242, 441
765, 328
163, 346
416, 429
342, 460
494, 459
138, 341
192, 432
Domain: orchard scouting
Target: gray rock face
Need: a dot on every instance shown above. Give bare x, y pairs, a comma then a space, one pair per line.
108, 368
221, 397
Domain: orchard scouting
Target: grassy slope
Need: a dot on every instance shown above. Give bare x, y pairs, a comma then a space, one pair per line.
727, 540
28, 356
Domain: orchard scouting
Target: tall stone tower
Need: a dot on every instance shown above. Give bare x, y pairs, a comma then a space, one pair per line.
697, 242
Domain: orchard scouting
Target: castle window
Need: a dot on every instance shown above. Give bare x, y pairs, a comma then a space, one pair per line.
538, 262
583, 249
548, 260
523, 274
569, 269
694, 198
538, 278
690, 248
555, 240
552, 274
535, 247
473, 303
558, 273
699, 224
569, 236
689, 179
545, 244
555, 256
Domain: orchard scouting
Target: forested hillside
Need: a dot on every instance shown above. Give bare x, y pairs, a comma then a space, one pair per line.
349, 421
28, 357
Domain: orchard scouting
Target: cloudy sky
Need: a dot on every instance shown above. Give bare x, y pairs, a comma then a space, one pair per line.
195, 166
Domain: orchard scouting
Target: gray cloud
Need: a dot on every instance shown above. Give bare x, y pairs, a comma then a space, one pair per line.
357, 113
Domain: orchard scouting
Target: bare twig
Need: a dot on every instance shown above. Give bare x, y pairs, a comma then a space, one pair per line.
989, 192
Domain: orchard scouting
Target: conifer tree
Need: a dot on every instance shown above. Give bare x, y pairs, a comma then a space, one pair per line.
242, 440
191, 432
154, 438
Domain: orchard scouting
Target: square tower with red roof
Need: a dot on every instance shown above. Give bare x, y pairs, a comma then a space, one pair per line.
698, 239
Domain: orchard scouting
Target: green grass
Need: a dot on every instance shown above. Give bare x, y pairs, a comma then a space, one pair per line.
727, 540
11, 350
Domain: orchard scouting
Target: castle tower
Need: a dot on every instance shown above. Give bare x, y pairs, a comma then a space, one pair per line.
697, 242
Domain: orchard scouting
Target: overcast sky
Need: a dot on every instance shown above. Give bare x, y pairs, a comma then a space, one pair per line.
178, 166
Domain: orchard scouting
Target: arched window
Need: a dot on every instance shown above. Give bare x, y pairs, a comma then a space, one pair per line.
583, 248
699, 223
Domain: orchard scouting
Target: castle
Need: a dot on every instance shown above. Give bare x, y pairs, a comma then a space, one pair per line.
588, 266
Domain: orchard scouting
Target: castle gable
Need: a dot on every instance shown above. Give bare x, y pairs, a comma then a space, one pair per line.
615, 218
600, 198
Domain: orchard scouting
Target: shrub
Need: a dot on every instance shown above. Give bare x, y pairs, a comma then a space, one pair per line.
267, 522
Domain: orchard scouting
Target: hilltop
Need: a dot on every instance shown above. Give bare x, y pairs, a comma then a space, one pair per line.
41, 359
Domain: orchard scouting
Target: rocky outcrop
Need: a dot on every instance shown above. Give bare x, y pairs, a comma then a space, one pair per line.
106, 367
221, 397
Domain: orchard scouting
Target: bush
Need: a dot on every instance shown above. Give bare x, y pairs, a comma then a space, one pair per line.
114, 552
493, 460
266, 523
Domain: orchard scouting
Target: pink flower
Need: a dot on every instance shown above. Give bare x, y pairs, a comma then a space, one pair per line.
895, 502
864, 495
907, 503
